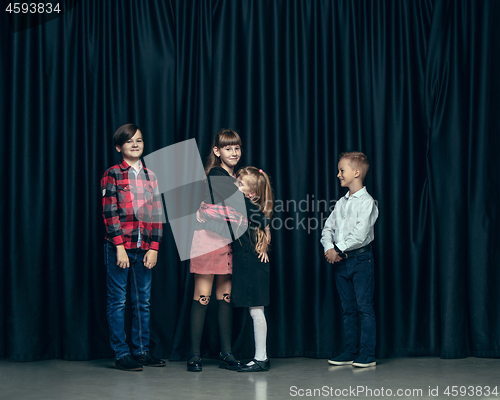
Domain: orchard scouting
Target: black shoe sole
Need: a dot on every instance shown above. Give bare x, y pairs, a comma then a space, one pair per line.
150, 365
153, 365
340, 363
127, 369
145, 364
224, 365
364, 365
259, 369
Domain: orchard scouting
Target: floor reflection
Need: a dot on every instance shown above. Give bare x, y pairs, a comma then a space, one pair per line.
259, 381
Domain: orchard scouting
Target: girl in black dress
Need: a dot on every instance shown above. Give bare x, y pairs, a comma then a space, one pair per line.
250, 260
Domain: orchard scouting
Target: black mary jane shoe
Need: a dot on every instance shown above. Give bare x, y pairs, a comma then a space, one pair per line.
194, 365
256, 367
232, 365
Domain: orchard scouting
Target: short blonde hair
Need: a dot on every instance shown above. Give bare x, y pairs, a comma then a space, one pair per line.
357, 160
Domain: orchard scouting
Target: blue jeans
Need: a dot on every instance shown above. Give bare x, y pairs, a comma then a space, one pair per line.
355, 283
140, 293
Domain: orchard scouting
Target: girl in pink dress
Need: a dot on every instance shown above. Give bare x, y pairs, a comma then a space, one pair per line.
211, 257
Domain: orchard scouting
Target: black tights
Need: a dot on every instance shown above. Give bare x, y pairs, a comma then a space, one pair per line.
225, 317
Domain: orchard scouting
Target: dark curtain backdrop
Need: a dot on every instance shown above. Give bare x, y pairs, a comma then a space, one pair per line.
413, 84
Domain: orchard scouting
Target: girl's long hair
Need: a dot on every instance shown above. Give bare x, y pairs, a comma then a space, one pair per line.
223, 138
258, 181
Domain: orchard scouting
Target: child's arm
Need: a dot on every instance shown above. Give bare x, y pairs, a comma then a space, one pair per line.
328, 232
268, 234
200, 218
111, 219
109, 209
156, 217
327, 239
151, 256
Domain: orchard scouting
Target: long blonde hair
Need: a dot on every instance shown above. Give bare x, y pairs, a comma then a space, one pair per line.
223, 138
259, 183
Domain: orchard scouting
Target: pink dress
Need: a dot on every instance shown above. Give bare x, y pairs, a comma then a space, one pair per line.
210, 254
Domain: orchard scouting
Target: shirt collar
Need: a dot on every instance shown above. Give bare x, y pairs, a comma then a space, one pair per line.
124, 165
359, 193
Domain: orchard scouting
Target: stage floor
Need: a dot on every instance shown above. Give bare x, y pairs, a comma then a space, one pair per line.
406, 378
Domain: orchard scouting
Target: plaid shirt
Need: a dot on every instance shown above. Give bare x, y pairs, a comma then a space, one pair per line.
128, 208
224, 213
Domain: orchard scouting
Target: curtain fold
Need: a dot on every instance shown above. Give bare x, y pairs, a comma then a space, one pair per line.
459, 101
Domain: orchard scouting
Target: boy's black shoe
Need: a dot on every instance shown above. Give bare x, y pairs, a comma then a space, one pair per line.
127, 363
149, 360
343, 359
364, 361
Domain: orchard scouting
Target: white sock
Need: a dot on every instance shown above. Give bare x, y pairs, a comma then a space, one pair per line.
260, 332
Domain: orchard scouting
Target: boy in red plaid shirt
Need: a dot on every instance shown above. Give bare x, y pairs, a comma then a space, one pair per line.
132, 215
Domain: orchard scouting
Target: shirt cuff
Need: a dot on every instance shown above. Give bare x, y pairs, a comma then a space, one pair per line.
154, 246
328, 246
342, 246
118, 240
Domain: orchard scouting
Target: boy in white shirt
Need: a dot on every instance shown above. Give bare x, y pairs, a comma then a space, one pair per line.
346, 239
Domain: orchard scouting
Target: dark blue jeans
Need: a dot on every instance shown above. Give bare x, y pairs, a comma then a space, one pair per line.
140, 293
355, 283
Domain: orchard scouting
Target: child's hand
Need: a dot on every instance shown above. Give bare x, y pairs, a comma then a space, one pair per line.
332, 256
150, 259
263, 257
268, 234
122, 257
199, 217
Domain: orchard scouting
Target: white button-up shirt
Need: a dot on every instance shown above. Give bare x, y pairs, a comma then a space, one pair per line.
350, 225
136, 173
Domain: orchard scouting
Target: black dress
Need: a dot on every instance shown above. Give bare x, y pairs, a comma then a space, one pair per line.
250, 282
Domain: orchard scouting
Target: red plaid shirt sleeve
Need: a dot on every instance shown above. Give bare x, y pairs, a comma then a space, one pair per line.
156, 214
110, 207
